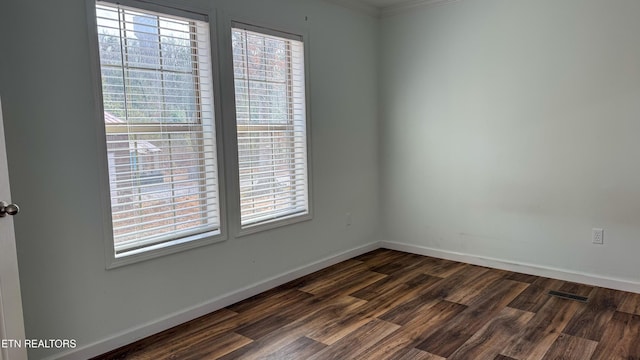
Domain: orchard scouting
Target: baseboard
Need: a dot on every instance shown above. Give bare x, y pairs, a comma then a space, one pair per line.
180, 317
531, 269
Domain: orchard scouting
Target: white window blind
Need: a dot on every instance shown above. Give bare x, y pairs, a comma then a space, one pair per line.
159, 121
271, 125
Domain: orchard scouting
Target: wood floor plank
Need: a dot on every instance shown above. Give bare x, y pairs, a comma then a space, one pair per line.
337, 329
301, 348
441, 268
621, 340
261, 304
357, 342
319, 323
350, 346
576, 289
320, 316
630, 304
257, 329
535, 296
345, 285
490, 339
413, 354
522, 277
293, 302
379, 257
474, 287
404, 312
211, 348
330, 321
373, 254
400, 265
405, 338
326, 283
260, 349
384, 286
449, 338
543, 329
460, 281
393, 297
327, 274
569, 347
591, 322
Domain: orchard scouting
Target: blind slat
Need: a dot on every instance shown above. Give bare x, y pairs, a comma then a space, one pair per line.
168, 193
116, 214
272, 196
274, 206
256, 219
174, 224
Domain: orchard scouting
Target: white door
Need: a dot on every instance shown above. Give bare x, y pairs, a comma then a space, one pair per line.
11, 322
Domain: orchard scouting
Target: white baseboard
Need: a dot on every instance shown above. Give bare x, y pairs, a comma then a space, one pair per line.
531, 269
180, 317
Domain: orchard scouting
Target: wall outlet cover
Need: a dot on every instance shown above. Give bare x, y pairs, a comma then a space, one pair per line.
597, 236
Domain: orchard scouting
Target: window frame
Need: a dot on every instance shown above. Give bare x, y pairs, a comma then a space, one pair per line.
187, 242
286, 33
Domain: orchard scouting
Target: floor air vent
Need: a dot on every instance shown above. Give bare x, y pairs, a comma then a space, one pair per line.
568, 296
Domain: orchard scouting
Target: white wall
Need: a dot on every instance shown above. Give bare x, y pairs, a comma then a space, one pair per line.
46, 89
511, 128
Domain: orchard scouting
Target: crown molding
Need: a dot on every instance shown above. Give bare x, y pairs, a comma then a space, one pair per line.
357, 5
410, 5
390, 10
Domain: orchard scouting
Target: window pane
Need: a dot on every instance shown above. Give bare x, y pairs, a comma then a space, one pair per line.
159, 122
271, 126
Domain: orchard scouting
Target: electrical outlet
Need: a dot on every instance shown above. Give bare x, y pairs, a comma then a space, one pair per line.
347, 219
597, 236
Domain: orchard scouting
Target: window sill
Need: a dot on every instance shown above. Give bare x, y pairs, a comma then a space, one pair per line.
159, 250
274, 224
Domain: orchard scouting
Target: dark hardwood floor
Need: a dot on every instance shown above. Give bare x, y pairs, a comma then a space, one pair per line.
392, 305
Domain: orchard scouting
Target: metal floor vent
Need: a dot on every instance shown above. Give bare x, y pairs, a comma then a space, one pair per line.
568, 296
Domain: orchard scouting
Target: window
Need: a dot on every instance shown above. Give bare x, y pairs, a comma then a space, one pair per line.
157, 94
271, 125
